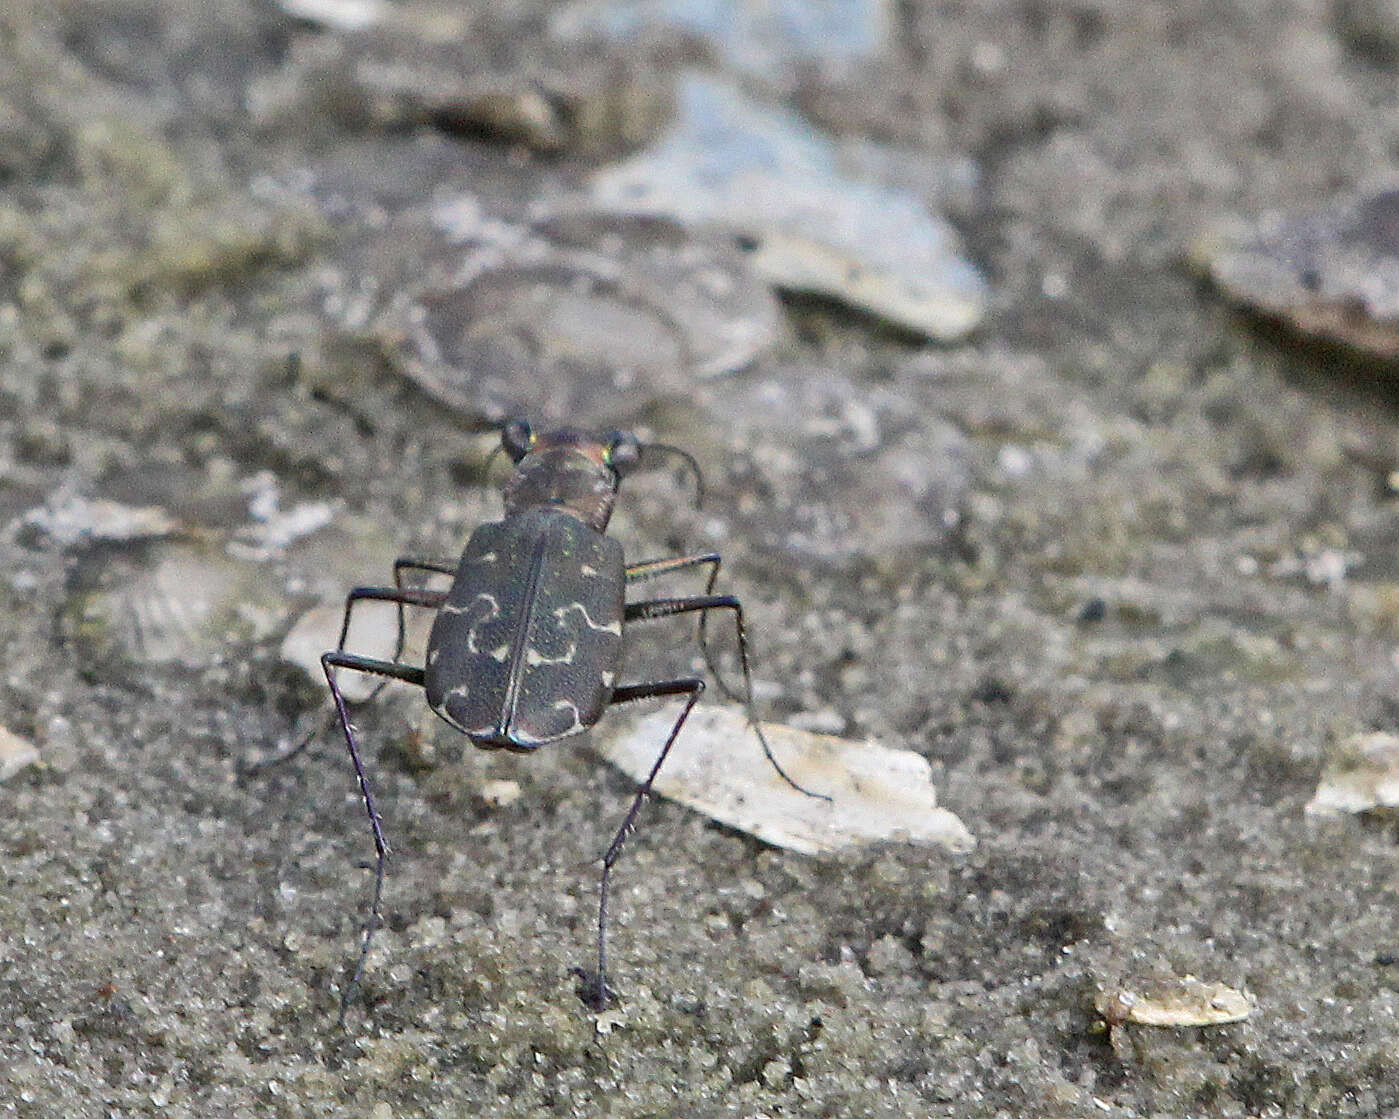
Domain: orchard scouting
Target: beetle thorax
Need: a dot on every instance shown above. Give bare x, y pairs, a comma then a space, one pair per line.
568, 478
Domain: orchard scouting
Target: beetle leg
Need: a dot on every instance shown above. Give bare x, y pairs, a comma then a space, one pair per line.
668, 607
329, 663
400, 565
412, 596
400, 595
596, 994
403, 596
417, 563
650, 569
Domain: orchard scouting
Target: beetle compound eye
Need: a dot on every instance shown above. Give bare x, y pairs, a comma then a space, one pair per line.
516, 438
624, 453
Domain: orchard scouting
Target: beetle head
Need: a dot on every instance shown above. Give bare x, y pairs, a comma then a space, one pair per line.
570, 470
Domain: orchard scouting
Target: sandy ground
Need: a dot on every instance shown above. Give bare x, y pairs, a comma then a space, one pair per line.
1168, 592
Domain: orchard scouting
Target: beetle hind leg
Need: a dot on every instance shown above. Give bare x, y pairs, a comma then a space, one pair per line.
330, 662
593, 989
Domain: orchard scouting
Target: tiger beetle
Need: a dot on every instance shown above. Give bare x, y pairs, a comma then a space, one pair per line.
526, 645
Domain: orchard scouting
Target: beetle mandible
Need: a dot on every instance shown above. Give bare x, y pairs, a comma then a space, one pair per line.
526, 645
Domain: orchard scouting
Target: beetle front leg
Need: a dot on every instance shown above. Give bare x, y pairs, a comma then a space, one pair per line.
668, 607
410, 596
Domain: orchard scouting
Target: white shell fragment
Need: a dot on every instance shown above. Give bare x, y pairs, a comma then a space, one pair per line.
342, 15
755, 37
764, 174
70, 519
1332, 273
178, 605
1184, 1001
717, 767
500, 792
15, 753
274, 528
1362, 774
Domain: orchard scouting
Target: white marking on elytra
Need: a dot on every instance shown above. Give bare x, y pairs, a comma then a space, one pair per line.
471, 646
614, 627
461, 692
587, 569
535, 657
491, 614
608, 678
524, 738
501, 653
569, 705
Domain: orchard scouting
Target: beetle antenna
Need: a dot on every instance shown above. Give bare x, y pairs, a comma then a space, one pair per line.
689, 461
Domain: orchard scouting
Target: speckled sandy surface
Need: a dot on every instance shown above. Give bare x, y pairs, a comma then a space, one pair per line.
1121, 567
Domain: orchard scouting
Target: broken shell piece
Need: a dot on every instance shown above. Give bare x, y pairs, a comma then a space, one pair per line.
274, 528
1332, 273
764, 175
717, 767
500, 792
15, 754
170, 604
605, 309
69, 519
1361, 774
341, 15
1183, 1001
